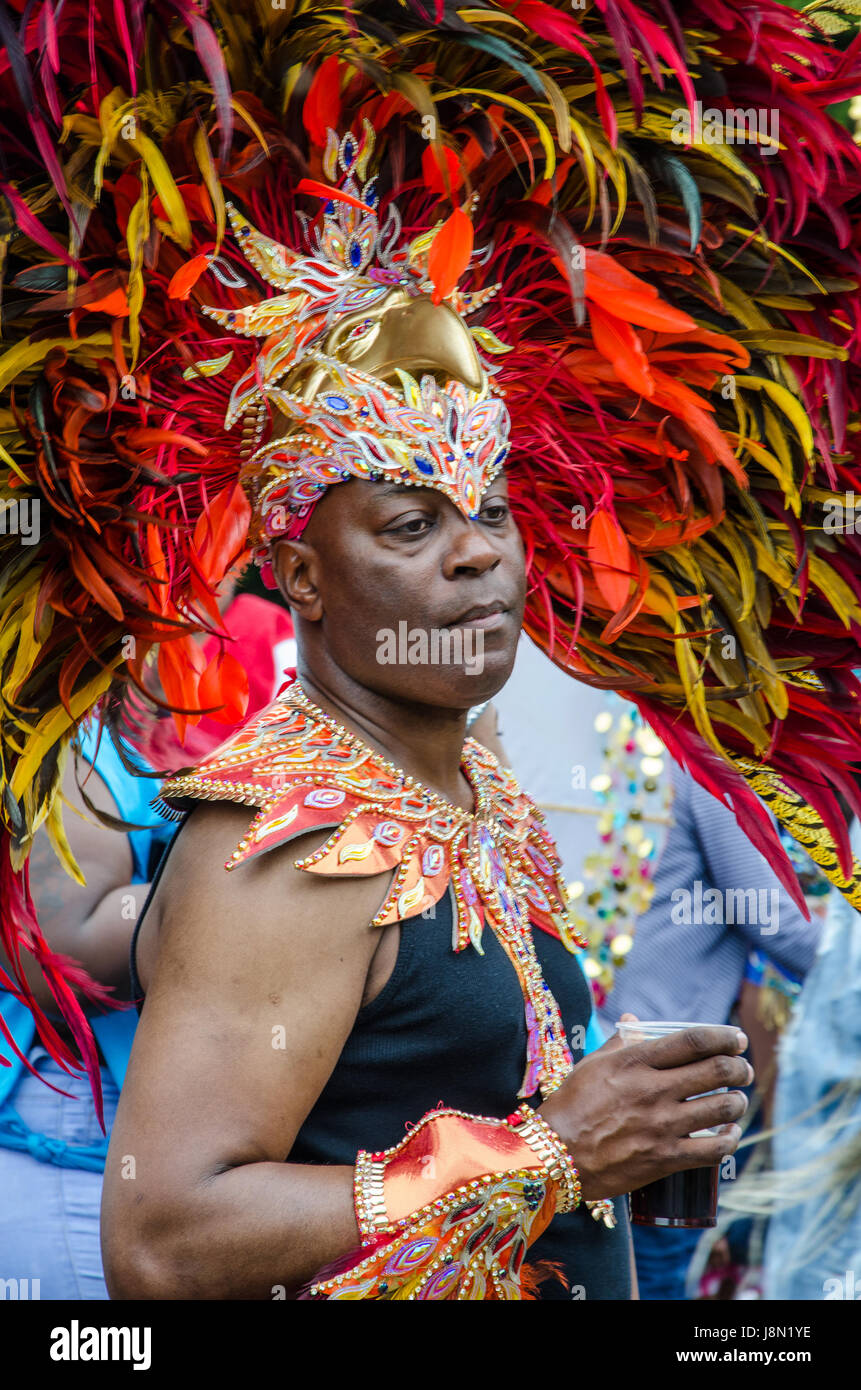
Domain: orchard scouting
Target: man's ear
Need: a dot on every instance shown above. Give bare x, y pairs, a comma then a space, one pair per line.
297, 570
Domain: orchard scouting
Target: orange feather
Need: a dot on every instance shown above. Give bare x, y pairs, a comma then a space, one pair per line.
611, 560
185, 279
449, 254
618, 342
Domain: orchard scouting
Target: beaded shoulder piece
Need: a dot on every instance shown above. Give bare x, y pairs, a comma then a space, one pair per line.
303, 771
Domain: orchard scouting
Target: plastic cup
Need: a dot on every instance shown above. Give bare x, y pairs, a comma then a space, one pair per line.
687, 1199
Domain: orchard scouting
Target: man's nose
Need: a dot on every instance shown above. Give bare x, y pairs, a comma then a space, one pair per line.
470, 549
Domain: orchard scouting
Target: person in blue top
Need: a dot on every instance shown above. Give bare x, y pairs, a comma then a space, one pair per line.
716, 901
52, 1151
813, 1245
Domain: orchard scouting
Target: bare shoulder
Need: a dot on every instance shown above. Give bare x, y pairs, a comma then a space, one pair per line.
255, 978
257, 915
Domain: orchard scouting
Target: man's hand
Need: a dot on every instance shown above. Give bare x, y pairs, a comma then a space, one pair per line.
624, 1113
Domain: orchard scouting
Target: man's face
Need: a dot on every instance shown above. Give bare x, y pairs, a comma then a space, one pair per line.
415, 601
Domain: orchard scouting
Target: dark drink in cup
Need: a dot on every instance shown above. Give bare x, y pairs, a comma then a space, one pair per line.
682, 1199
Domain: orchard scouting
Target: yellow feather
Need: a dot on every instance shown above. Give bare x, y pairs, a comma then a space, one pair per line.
779, 250
136, 235
773, 565
692, 681
10, 463
28, 645
836, 590
500, 98
54, 725
589, 167
691, 675
206, 164
757, 737
686, 561
726, 534
559, 107
784, 399
743, 307
165, 186
780, 340
56, 833
9, 635
615, 170
291, 77
724, 155
757, 654
485, 17
777, 439
775, 467
13, 594
742, 416
87, 127
657, 602
251, 123
26, 354
661, 124
787, 301
112, 110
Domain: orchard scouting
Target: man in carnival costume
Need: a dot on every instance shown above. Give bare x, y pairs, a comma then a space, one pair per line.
410, 420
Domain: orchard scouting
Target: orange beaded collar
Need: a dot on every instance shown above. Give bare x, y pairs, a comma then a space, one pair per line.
304, 771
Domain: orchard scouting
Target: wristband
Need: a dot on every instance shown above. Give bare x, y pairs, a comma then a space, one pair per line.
552, 1151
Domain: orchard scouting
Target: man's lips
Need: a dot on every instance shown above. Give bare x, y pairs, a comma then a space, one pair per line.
481, 615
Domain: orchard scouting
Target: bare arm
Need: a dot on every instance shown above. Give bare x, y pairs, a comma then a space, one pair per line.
213, 1100
92, 923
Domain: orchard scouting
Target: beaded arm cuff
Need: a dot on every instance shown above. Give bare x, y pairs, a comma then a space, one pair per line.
553, 1154
547, 1143
450, 1212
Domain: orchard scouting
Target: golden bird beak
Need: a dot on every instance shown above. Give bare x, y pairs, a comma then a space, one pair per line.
403, 331
418, 336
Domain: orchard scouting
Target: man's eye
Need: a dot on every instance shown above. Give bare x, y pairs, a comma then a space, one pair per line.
495, 512
416, 526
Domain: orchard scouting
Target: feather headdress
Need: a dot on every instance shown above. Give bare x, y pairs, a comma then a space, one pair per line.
670, 213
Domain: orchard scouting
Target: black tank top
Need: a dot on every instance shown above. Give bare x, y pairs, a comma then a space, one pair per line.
449, 1027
